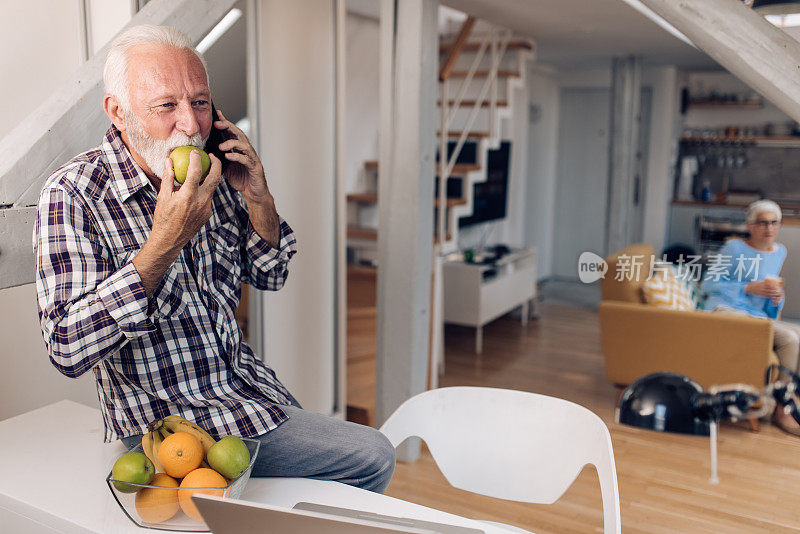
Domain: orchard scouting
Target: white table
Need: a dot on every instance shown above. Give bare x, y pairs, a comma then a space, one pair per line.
53, 465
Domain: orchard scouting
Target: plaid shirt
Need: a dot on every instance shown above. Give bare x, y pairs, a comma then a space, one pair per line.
179, 351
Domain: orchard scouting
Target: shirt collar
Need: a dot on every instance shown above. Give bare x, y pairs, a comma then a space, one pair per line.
127, 177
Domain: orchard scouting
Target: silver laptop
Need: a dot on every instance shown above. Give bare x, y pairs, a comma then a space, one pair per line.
232, 516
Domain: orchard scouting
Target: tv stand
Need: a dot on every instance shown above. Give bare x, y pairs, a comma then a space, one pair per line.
475, 294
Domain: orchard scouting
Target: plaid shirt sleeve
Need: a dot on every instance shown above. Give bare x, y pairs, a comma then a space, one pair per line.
87, 308
265, 267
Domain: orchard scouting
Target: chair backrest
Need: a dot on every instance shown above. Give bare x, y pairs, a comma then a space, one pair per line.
627, 288
509, 444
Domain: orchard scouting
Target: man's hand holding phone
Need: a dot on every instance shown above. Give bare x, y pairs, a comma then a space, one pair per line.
249, 179
179, 215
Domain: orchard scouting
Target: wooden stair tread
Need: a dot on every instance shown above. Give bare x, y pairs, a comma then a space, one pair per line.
517, 44
360, 270
361, 415
501, 73
462, 168
362, 313
363, 198
470, 135
471, 103
369, 198
356, 232
458, 169
452, 202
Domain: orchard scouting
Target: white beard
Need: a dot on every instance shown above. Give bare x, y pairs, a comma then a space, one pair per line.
155, 151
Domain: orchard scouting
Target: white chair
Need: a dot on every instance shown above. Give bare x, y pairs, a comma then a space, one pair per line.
510, 444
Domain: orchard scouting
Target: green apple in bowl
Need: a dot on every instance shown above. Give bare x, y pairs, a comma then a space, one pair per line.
133, 467
180, 162
229, 457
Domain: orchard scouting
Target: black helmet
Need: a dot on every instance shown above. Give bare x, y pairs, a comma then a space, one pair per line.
663, 402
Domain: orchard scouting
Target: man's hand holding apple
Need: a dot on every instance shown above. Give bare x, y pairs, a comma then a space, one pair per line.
179, 215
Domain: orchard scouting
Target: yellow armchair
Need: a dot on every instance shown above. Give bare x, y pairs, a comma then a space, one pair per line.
638, 339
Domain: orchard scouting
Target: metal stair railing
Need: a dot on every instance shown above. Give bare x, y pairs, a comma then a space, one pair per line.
436, 348
446, 166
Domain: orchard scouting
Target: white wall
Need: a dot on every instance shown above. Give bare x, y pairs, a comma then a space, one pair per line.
28, 379
516, 129
362, 113
106, 18
543, 93
39, 53
544, 84
37, 66
361, 99
662, 153
296, 91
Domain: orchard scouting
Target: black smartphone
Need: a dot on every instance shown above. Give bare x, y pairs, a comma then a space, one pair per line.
217, 137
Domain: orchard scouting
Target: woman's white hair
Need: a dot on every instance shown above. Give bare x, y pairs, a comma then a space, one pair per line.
115, 72
762, 206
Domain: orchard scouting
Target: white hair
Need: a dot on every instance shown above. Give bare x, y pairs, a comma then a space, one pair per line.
115, 72
762, 206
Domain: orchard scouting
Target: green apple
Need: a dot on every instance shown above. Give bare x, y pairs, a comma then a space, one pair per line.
132, 467
229, 457
180, 162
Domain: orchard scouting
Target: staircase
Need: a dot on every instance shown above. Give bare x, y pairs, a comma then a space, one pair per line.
477, 103
481, 67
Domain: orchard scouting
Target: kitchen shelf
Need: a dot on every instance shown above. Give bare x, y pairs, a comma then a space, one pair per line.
708, 104
763, 141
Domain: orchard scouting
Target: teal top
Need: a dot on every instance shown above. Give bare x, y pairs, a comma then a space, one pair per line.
737, 265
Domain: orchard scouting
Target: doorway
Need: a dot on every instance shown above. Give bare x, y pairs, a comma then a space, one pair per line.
581, 177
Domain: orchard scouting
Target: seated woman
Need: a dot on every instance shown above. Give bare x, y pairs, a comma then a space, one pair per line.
744, 278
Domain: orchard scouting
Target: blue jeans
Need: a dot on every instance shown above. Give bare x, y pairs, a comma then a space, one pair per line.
310, 445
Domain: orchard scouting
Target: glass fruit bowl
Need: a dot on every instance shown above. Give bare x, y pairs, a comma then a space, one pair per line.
162, 507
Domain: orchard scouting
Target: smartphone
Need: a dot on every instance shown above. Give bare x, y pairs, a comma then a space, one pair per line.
217, 137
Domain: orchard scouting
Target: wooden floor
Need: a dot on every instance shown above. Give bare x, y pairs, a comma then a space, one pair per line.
663, 478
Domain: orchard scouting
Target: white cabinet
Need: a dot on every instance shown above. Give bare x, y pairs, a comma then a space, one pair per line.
476, 294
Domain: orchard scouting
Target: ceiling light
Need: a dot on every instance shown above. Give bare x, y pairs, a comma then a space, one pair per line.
784, 21
217, 31
650, 14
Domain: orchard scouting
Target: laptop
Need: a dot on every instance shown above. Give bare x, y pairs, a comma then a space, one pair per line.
233, 516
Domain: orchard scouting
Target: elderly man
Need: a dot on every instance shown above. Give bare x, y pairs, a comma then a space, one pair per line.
138, 278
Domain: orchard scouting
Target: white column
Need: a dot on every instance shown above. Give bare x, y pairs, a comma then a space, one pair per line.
626, 101
662, 153
405, 193
297, 147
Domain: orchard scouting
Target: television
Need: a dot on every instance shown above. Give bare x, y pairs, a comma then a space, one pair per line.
490, 197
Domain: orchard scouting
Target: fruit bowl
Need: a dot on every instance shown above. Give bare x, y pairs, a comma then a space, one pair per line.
166, 497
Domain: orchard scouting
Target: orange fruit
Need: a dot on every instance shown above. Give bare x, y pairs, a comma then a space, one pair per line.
180, 453
199, 478
155, 505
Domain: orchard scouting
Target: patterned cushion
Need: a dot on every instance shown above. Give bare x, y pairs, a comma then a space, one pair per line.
665, 290
693, 288
689, 275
